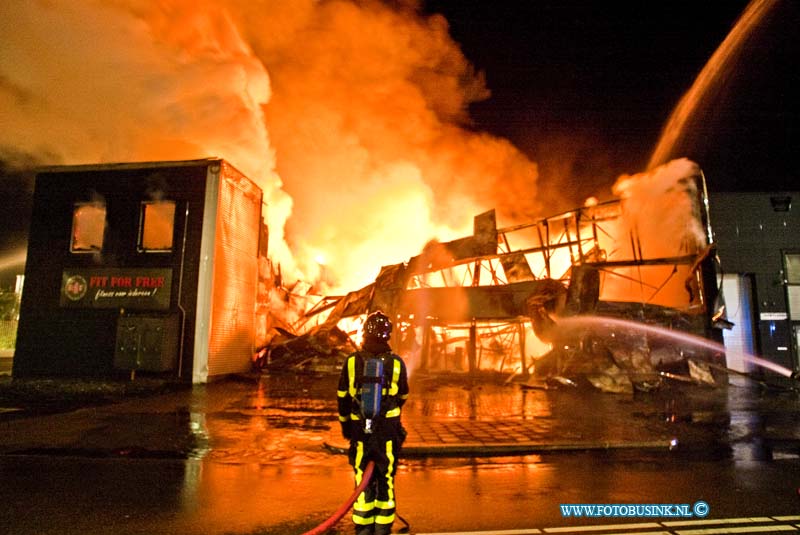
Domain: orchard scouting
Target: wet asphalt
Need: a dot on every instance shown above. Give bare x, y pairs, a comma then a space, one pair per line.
271, 418
262, 453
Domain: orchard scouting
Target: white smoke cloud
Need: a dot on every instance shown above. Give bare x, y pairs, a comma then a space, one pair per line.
661, 207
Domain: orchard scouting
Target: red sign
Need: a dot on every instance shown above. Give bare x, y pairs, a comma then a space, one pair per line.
133, 288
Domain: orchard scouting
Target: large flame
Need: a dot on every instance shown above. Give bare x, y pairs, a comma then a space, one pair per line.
351, 116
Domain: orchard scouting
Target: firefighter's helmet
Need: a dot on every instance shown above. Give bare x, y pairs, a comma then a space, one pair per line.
377, 326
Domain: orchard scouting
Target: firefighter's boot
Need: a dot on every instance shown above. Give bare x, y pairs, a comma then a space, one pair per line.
365, 530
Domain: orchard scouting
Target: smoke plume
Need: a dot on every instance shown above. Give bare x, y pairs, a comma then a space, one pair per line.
350, 115
660, 207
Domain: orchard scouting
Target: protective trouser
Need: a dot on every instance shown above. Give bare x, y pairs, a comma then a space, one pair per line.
374, 510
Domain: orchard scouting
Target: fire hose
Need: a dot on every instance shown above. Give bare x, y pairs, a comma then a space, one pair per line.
341, 511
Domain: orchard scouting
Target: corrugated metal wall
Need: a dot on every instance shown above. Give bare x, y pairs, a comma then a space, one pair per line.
232, 328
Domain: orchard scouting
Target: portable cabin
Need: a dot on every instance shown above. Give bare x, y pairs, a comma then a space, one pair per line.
149, 267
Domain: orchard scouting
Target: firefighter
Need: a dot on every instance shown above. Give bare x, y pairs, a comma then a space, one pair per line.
373, 386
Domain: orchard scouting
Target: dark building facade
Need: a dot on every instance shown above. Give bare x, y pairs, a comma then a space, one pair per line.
149, 267
758, 243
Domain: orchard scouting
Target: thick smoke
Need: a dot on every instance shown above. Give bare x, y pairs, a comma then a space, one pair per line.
661, 218
350, 115
660, 208
93, 82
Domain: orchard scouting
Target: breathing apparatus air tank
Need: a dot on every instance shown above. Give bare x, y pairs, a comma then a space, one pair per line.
371, 391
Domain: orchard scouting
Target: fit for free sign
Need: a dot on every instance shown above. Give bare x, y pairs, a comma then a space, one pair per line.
135, 288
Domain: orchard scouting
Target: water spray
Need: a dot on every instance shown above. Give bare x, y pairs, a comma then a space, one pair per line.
713, 75
679, 336
13, 259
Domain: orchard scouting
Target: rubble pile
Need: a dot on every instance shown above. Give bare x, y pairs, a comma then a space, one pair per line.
621, 361
322, 348
478, 302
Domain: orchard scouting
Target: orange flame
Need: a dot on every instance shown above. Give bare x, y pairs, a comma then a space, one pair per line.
347, 114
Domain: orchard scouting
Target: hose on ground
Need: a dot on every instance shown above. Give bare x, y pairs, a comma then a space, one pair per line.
341, 511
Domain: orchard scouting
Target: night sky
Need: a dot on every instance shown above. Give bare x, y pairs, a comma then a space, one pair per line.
585, 88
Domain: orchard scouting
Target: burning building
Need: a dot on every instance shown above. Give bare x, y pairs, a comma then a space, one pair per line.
162, 268
493, 300
141, 266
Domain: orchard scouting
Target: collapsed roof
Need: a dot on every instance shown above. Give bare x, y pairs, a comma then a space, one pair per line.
592, 260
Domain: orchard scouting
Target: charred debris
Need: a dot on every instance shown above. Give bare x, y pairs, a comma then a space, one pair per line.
499, 301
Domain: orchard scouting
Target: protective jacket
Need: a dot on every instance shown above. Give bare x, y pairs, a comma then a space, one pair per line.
374, 511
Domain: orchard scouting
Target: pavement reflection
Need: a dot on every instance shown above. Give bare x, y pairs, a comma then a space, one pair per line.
247, 455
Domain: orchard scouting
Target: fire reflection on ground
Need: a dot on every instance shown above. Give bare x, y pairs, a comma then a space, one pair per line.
266, 462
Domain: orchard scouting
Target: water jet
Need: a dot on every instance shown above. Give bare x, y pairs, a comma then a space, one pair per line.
598, 322
710, 80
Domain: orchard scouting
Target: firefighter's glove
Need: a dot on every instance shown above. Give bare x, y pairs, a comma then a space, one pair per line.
347, 432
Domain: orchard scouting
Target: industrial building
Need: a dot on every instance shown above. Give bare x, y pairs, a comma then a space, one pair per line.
757, 237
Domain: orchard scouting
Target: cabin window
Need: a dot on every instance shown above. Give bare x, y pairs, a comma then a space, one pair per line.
88, 227
156, 226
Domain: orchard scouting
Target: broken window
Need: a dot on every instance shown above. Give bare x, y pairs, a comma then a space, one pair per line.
156, 226
88, 227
